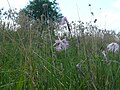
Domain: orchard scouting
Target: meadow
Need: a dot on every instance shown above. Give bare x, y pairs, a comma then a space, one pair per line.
29, 61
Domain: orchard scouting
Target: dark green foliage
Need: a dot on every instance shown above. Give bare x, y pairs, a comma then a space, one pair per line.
36, 8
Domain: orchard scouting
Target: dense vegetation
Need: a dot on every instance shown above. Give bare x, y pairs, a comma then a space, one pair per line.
29, 61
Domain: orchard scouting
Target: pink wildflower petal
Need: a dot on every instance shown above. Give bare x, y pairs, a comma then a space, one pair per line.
61, 44
58, 48
64, 21
114, 47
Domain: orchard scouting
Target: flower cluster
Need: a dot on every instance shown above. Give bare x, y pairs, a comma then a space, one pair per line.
61, 44
114, 47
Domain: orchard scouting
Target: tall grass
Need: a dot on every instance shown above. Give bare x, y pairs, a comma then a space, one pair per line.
28, 61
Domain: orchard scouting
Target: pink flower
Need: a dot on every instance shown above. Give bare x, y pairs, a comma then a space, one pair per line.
64, 21
114, 47
61, 44
65, 43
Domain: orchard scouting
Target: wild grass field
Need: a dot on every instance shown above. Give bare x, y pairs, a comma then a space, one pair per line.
30, 61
